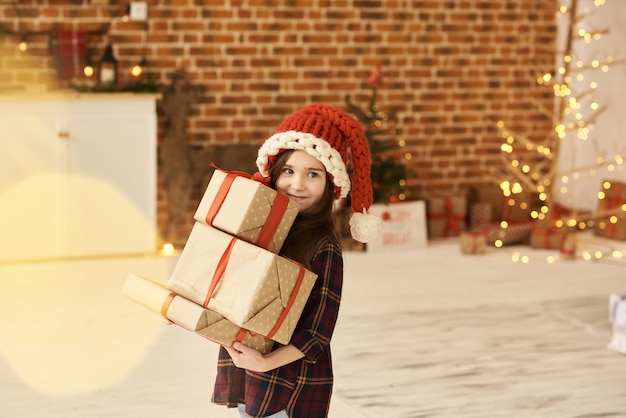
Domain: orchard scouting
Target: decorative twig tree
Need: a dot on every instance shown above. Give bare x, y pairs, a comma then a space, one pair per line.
532, 165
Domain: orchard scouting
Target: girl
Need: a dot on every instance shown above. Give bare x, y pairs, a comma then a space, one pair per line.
305, 160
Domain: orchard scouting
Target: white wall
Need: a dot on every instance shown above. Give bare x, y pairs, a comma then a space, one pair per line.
607, 137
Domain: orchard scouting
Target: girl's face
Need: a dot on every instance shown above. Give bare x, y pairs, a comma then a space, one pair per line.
303, 179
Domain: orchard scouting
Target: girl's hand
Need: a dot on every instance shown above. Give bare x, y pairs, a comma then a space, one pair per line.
248, 358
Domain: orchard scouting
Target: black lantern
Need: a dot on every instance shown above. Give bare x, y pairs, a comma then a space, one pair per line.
107, 68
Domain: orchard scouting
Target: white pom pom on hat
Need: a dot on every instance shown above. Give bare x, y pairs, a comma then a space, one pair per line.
325, 132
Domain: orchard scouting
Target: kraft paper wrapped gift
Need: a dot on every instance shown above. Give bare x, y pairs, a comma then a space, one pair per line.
247, 209
252, 287
190, 316
547, 238
447, 215
473, 242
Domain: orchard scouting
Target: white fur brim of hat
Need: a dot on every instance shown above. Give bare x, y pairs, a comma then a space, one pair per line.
313, 146
363, 226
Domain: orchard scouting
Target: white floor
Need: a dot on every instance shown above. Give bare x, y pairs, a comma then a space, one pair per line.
427, 333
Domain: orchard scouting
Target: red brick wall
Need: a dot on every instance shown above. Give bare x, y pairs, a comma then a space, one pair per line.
453, 68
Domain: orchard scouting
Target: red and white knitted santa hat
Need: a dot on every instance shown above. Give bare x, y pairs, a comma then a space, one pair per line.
325, 133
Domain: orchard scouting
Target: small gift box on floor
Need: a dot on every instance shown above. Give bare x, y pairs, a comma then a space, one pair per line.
473, 242
447, 215
614, 225
190, 316
547, 238
250, 286
247, 209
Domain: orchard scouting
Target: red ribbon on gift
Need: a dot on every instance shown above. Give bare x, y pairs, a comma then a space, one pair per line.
166, 304
241, 335
568, 246
449, 216
548, 233
219, 272
475, 237
290, 302
272, 222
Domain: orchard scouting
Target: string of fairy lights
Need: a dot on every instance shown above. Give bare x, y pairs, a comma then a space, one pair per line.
531, 166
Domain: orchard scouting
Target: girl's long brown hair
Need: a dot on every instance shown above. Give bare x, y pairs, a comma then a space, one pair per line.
311, 225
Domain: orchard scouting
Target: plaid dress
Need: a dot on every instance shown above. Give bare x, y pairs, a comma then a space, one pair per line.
304, 386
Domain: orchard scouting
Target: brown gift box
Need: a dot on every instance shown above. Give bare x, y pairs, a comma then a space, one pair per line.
446, 215
250, 286
547, 238
190, 316
514, 209
247, 209
615, 197
474, 242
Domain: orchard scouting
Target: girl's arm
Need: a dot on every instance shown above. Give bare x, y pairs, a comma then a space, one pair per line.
248, 358
316, 324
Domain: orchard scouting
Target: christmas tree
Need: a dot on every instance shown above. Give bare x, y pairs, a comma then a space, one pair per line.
389, 174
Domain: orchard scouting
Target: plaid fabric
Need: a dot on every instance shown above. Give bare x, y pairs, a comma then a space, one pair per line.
303, 387
69, 48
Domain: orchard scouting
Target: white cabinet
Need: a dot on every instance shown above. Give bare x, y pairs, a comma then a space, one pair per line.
77, 176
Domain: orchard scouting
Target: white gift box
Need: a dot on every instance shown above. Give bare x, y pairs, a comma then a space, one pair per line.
617, 310
618, 341
403, 228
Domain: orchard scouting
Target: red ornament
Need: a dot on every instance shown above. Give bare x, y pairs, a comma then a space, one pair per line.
376, 77
385, 216
393, 199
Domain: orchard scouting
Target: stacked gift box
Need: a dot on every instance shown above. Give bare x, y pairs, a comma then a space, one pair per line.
229, 283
